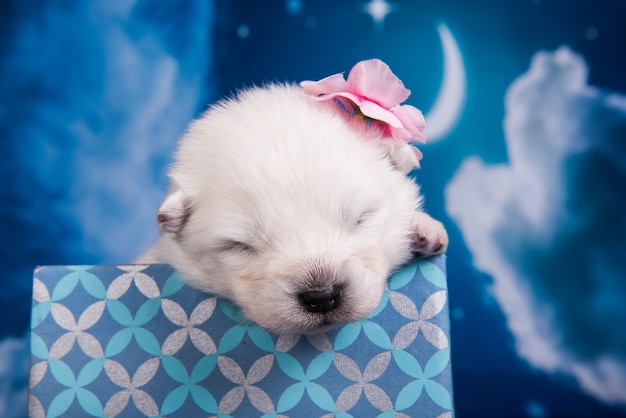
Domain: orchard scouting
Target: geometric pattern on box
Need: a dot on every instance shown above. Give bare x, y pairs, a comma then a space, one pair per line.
133, 340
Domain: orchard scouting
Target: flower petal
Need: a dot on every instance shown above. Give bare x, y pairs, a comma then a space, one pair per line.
412, 120
374, 80
418, 154
374, 111
331, 84
353, 98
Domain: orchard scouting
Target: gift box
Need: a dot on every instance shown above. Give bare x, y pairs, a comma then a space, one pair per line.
134, 340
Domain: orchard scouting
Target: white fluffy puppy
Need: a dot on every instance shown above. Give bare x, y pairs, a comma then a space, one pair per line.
279, 204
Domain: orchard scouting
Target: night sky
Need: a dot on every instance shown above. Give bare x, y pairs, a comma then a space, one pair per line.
529, 181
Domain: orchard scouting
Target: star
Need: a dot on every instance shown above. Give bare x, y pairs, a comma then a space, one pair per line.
378, 9
294, 6
243, 31
591, 33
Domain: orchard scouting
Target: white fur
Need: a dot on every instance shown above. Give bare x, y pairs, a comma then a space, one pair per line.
274, 194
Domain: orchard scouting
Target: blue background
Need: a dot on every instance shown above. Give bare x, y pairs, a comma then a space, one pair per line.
94, 94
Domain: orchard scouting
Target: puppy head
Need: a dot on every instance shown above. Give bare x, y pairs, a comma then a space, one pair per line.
279, 205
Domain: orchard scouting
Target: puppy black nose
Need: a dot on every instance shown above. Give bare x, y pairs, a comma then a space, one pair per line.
321, 301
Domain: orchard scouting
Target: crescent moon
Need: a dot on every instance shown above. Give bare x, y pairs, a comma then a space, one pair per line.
448, 107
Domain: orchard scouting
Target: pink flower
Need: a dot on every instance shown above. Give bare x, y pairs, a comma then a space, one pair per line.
375, 93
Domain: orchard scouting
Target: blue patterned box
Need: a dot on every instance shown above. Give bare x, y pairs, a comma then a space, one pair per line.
135, 341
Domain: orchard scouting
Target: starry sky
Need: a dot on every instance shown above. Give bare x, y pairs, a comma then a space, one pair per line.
529, 180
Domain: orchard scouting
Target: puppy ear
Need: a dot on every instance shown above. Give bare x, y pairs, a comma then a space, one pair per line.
404, 157
174, 212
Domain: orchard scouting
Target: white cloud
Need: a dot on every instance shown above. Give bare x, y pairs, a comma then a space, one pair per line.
550, 225
148, 95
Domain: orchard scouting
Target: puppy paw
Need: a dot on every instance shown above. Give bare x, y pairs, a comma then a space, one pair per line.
428, 236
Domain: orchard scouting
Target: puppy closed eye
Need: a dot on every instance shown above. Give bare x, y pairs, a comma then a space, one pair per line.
364, 217
237, 246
